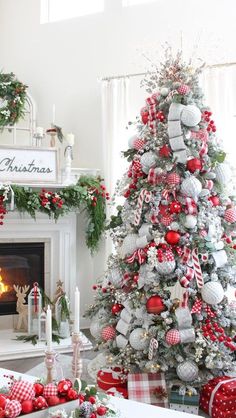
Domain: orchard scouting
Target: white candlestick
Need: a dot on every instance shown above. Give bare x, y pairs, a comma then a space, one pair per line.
70, 138
53, 114
49, 329
39, 131
77, 309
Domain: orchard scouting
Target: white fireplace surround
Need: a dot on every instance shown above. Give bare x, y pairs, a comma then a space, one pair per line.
60, 249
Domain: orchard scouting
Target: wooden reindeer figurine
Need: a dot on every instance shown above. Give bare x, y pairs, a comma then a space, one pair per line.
21, 308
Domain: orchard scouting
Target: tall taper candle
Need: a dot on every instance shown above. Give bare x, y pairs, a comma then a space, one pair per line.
49, 329
77, 309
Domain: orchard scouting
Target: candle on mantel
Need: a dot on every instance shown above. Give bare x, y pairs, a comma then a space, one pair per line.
39, 131
49, 329
77, 309
70, 138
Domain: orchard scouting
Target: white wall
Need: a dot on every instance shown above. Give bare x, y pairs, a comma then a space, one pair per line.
62, 61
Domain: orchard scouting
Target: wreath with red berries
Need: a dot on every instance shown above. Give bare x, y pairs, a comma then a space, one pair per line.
12, 99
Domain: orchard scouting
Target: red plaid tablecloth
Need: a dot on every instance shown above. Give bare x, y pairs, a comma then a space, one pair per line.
144, 387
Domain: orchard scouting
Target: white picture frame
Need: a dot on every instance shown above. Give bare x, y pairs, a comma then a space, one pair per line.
28, 165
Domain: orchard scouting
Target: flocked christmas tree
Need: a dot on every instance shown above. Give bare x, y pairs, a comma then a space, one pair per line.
162, 303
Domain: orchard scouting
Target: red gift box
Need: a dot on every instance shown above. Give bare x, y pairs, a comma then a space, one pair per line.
113, 377
218, 397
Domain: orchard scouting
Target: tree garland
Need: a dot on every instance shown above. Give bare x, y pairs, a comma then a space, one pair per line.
12, 99
88, 194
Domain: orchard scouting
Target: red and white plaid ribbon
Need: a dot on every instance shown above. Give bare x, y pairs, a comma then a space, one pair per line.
139, 255
191, 206
186, 256
154, 218
153, 346
189, 275
197, 306
155, 178
197, 268
145, 196
152, 124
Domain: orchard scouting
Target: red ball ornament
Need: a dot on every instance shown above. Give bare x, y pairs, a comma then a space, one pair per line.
164, 151
172, 237
27, 407
53, 400
93, 415
62, 399
230, 215
72, 394
173, 179
194, 164
2, 413
101, 410
40, 403
2, 401
108, 333
39, 388
175, 207
172, 337
116, 308
63, 386
215, 201
81, 397
12, 409
155, 305
92, 400
144, 117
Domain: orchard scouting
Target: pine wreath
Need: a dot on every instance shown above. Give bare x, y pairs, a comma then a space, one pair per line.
12, 99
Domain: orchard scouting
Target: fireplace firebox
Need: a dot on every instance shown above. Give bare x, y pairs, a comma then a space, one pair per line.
20, 264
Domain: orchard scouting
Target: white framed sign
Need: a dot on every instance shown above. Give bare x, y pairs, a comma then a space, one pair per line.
28, 165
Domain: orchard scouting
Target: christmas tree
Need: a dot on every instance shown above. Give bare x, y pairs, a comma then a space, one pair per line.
162, 303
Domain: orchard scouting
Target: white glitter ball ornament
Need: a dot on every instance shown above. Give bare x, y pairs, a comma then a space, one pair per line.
96, 328
148, 160
212, 293
116, 277
223, 173
191, 115
164, 91
129, 245
190, 221
191, 187
166, 267
138, 339
187, 371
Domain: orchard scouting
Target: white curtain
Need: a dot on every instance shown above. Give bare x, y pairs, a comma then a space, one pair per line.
219, 86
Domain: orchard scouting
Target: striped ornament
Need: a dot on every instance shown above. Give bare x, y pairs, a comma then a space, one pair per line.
145, 196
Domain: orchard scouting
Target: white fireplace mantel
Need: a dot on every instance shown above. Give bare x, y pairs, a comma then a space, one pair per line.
60, 248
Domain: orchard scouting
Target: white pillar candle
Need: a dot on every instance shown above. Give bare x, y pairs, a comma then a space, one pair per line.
39, 131
70, 138
53, 114
49, 329
77, 309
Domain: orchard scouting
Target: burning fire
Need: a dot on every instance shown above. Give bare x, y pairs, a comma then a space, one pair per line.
3, 287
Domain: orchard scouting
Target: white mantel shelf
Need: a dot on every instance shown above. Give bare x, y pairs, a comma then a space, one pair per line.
11, 349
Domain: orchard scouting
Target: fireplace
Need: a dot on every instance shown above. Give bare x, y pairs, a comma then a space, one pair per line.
22, 264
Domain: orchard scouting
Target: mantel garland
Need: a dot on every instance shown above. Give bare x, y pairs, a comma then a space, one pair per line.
12, 99
88, 194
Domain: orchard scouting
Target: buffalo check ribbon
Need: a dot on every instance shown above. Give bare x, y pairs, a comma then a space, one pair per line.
139, 255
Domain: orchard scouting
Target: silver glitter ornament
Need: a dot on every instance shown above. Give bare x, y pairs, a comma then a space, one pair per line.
187, 371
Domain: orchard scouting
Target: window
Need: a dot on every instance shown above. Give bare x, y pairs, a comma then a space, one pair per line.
55, 10
127, 3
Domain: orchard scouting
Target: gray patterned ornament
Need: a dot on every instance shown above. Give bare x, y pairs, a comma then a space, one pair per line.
187, 371
223, 173
191, 115
148, 160
165, 267
191, 187
138, 339
129, 245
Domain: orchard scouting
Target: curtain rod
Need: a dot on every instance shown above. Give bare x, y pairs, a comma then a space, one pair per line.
113, 77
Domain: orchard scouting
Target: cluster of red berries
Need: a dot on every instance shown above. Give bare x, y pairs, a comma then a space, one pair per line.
2, 210
213, 331
206, 116
160, 116
96, 192
49, 200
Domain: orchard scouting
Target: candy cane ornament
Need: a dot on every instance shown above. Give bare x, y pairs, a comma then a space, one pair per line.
197, 268
153, 346
145, 196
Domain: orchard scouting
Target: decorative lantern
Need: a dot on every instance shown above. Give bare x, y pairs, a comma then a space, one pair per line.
42, 326
62, 316
34, 309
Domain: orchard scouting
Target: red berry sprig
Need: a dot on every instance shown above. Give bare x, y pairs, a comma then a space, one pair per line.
206, 116
213, 331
